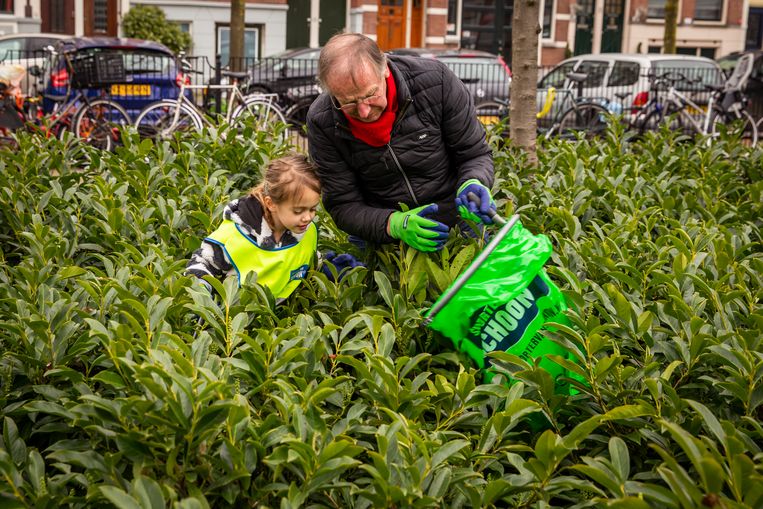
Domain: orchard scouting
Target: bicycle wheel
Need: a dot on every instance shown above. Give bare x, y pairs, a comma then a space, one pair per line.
98, 122
588, 118
491, 113
296, 116
158, 120
262, 114
741, 123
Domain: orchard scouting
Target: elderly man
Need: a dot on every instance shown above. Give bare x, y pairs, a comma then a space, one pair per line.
391, 131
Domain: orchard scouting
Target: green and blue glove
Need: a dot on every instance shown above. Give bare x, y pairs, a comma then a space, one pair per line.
471, 210
417, 230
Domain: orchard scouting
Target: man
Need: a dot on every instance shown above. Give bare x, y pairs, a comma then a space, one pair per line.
396, 130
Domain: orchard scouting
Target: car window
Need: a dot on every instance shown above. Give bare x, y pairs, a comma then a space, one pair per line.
472, 70
557, 76
11, 48
146, 62
301, 66
702, 72
595, 70
38, 44
623, 74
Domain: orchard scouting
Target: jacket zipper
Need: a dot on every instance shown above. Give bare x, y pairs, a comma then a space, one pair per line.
394, 156
402, 172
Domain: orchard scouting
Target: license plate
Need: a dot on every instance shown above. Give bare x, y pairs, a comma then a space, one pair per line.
126, 90
696, 112
488, 120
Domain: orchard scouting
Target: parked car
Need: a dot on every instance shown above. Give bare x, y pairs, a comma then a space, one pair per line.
754, 88
487, 76
620, 81
27, 50
290, 73
150, 71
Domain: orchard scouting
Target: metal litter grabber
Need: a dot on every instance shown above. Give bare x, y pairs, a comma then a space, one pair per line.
503, 300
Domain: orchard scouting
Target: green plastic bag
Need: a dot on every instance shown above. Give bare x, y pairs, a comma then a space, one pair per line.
503, 301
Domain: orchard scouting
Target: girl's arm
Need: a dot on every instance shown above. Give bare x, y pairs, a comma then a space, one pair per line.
209, 259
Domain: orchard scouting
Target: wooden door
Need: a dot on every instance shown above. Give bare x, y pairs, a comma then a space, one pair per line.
57, 16
100, 17
417, 24
390, 25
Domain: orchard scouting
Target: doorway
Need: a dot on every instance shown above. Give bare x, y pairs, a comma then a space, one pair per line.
399, 21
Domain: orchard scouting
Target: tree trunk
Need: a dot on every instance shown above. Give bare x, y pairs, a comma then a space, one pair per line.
671, 22
524, 67
237, 14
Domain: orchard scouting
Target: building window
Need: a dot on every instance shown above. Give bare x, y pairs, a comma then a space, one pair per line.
454, 17
184, 26
656, 9
57, 17
251, 43
708, 10
6, 6
101, 16
701, 52
548, 16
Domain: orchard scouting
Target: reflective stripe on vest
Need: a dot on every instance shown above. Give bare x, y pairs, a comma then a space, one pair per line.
279, 269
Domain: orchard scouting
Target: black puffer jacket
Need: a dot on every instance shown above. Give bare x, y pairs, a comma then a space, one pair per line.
437, 144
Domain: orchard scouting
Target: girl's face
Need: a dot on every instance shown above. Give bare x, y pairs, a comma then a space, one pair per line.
293, 214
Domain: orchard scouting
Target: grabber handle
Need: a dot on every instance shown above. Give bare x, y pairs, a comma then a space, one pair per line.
495, 216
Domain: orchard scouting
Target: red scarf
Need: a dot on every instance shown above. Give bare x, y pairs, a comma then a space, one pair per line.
378, 132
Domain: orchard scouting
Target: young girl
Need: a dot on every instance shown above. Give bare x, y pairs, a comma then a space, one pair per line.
269, 231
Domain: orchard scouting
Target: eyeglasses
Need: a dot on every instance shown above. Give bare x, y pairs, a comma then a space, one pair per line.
352, 106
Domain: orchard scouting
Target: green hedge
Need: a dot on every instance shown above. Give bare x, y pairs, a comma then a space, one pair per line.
114, 393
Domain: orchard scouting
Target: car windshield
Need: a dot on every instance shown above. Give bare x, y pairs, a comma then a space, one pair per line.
139, 61
701, 72
472, 70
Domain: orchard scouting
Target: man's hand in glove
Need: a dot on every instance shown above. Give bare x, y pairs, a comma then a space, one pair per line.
469, 209
417, 230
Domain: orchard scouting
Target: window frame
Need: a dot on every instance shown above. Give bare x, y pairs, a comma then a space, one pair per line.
552, 22
721, 21
256, 27
455, 35
7, 6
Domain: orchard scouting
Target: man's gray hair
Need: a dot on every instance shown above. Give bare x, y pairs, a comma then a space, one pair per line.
343, 54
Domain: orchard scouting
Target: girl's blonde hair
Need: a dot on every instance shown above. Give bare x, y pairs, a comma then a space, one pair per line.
286, 178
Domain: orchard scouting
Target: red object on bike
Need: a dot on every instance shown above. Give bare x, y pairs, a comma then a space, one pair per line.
639, 101
59, 78
181, 78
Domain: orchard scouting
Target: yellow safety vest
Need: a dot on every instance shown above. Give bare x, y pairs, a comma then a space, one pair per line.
279, 269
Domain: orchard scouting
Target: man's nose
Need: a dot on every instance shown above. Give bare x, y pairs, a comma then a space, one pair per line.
364, 110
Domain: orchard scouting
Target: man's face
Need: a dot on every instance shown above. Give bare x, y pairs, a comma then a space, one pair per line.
360, 93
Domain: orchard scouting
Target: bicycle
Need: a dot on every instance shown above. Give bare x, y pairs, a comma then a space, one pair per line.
162, 119
725, 108
95, 121
584, 115
497, 110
